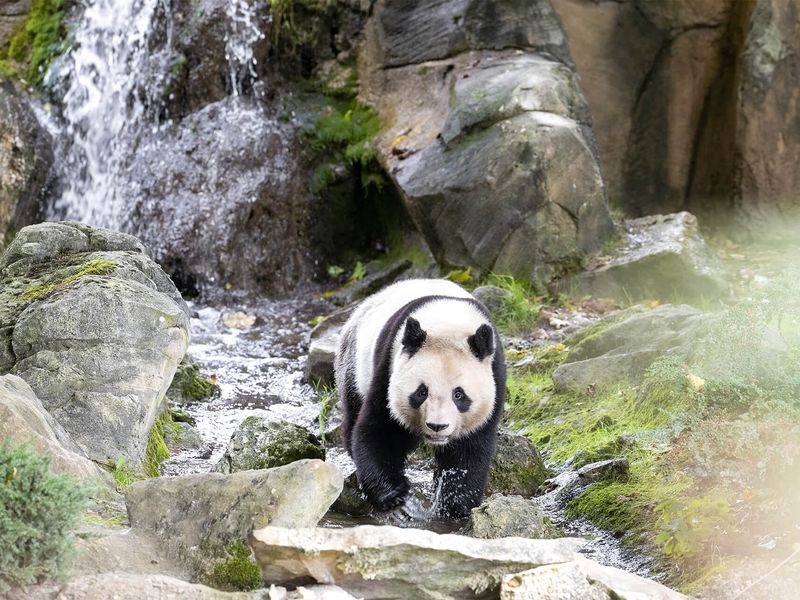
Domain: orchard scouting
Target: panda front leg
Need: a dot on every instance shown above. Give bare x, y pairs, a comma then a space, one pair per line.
379, 448
462, 470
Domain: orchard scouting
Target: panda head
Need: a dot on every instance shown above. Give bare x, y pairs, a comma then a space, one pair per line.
442, 386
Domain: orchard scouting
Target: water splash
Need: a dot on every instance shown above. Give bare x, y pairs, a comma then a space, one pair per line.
245, 31
102, 109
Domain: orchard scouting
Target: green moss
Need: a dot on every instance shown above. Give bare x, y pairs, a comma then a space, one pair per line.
124, 475
238, 573
328, 397
37, 42
157, 450
188, 385
519, 311
93, 267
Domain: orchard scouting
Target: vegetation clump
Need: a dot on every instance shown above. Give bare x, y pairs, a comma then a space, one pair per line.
188, 385
237, 573
157, 450
37, 42
38, 509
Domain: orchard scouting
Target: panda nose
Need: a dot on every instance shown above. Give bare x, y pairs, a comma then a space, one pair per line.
436, 426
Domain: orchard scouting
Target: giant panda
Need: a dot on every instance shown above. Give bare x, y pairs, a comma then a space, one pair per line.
421, 361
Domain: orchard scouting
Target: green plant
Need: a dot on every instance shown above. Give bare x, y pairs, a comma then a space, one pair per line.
328, 397
686, 525
238, 573
38, 509
460, 275
38, 41
123, 474
156, 450
519, 311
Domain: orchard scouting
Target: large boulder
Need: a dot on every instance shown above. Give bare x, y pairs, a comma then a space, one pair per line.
198, 516
508, 516
262, 444
233, 193
96, 329
660, 257
584, 579
392, 562
24, 419
26, 156
624, 345
491, 149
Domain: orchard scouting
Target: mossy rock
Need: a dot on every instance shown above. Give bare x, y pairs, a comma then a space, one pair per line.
517, 468
509, 516
188, 385
262, 444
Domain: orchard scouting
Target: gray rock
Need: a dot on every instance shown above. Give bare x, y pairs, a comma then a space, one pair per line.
493, 297
24, 419
661, 257
613, 468
517, 467
26, 157
198, 516
262, 444
375, 279
582, 579
96, 328
392, 562
182, 436
493, 155
508, 516
626, 344
352, 500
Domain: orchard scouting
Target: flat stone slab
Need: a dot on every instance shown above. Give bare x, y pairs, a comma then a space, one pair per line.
391, 562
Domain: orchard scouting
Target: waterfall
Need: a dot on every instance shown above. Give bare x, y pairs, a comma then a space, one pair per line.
114, 77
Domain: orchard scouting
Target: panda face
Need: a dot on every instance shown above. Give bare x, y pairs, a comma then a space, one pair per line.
441, 389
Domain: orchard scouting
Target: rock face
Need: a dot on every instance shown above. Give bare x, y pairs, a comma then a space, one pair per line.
261, 444
491, 149
661, 257
24, 419
582, 579
232, 194
630, 343
322, 343
390, 562
25, 156
96, 328
197, 516
12, 14
508, 516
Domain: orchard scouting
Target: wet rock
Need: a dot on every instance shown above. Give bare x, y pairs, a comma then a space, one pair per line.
508, 516
182, 436
517, 467
24, 419
624, 345
234, 181
391, 562
26, 156
188, 385
491, 150
322, 343
582, 579
614, 468
198, 516
352, 500
13, 14
81, 312
661, 257
261, 444
135, 586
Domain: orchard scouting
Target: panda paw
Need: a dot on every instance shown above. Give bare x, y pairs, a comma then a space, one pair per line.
391, 496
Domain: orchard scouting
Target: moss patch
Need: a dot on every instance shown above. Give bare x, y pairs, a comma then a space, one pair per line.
42, 290
37, 42
157, 450
237, 573
188, 385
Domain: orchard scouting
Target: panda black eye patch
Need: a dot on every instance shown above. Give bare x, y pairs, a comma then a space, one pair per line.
419, 396
461, 400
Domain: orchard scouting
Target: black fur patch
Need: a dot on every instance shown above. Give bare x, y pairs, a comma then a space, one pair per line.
482, 342
413, 336
419, 396
461, 400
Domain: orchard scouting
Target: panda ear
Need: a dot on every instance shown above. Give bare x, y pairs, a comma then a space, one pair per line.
413, 336
482, 342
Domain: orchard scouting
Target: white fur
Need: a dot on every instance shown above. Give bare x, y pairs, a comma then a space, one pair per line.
444, 362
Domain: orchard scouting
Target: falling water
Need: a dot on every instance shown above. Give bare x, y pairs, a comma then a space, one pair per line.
102, 112
244, 33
